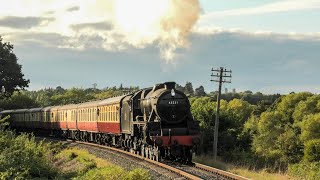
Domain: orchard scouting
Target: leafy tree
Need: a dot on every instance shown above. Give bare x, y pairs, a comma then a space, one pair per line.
312, 150
188, 89
200, 91
60, 90
11, 76
19, 100
276, 136
71, 96
233, 114
179, 88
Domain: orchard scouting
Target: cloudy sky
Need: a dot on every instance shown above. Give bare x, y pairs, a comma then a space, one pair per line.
272, 46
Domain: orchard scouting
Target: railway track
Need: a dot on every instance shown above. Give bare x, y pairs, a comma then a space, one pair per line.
196, 172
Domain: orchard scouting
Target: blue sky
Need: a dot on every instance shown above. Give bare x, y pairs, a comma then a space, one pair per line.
271, 46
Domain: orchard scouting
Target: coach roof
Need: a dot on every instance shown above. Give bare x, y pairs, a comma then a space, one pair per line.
112, 100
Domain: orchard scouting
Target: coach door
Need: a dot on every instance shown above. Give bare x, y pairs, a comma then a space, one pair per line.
125, 115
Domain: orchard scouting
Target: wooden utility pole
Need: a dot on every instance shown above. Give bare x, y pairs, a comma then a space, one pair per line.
221, 75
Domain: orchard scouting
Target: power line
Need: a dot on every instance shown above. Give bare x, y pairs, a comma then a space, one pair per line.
221, 75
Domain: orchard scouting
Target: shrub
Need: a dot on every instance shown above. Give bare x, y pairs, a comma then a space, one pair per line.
138, 174
312, 150
22, 157
305, 170
109, 172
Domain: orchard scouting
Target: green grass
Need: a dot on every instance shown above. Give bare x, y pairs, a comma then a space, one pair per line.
22, 157
80, 164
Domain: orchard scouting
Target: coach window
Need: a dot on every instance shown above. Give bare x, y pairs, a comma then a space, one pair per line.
92, 113
106, 115
108, 119
87, 115
102, 114
112, 113
82, 115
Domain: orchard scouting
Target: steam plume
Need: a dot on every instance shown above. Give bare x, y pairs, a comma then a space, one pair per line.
166, 22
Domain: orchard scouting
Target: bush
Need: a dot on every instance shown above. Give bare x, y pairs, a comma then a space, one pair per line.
312, 150
305, 170
138, 174
110, 172
21, 157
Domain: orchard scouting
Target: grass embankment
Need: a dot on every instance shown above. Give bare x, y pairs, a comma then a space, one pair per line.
22, 157
262, 174
79, 164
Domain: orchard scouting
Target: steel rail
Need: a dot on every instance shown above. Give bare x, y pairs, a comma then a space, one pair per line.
219, 172
167, 167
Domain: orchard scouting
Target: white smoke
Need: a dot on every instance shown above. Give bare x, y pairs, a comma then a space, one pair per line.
113, 25
140, 23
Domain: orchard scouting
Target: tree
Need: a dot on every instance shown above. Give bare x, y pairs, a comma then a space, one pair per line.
18, 100
11, 76
179, 88
277, 132
200, 91
189, 89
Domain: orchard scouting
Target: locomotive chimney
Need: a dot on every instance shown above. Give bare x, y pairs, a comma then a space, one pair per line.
170, 85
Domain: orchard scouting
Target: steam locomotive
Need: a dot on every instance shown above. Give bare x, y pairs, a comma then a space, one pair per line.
154, 122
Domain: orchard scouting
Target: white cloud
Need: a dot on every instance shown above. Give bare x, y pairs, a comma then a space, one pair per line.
211, 30
138, 24
279, 6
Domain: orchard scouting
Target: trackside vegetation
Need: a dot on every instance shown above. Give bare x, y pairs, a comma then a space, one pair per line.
281, 137
23, 157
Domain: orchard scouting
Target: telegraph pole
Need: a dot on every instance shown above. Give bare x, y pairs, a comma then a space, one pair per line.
221, 76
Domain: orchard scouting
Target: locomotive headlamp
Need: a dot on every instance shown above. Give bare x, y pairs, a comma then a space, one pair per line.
173, 93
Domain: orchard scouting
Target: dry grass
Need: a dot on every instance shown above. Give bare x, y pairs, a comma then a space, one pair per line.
242, 171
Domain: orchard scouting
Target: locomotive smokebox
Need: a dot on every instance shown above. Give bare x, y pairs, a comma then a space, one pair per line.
163, 102
150, 97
